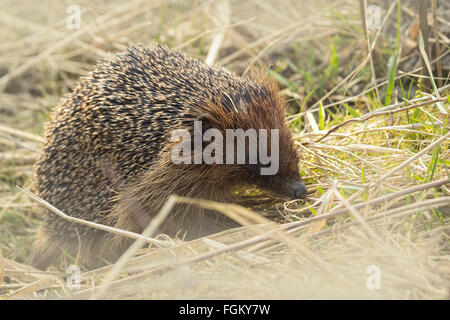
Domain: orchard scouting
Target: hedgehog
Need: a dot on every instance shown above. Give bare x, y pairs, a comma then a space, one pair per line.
107, 155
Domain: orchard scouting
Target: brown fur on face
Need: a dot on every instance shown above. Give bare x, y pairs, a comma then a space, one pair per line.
107, 153
144, 198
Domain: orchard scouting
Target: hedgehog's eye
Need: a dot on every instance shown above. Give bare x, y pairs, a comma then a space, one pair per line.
205, 122
254, 171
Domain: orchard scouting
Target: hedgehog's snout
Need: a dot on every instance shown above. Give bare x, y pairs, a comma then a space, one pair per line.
293, 188
298, 190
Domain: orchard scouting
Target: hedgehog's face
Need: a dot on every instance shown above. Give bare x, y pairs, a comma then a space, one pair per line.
288, 187
266, 158
251, 125
286, 182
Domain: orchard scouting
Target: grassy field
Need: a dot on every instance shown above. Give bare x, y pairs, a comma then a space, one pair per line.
371, 125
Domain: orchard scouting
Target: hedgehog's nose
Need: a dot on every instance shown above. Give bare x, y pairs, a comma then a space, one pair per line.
299, 191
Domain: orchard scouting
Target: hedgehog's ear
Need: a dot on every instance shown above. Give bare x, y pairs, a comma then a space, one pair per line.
206, 123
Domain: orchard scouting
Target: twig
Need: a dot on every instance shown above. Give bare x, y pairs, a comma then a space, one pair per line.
290, 228
413, 158
99, 23
388, 13
382, 111
2, 268
21, 134
18, 157
172, 266
393, 213
379, 200
357, 215
427, 63
149, 231
95, 225
369, 49
402, 75
413, 207
436, 42
222, 8
423, 23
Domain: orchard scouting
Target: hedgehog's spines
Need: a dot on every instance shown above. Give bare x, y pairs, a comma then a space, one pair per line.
107, 153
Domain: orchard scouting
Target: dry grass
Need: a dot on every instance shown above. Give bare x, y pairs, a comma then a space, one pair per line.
377, 174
